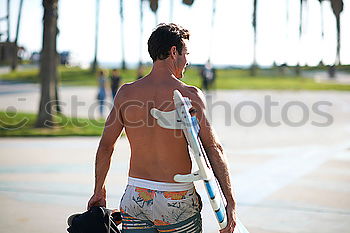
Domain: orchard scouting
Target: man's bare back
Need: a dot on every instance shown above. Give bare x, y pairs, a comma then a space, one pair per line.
152, 156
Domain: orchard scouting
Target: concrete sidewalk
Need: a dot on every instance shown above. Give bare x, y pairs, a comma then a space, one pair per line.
285, 189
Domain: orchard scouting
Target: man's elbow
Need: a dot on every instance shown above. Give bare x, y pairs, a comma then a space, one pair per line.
216, 146
106, 146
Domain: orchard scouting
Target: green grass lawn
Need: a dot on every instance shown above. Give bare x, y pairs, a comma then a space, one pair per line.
68, 76
241, 79
22, 125
226, 79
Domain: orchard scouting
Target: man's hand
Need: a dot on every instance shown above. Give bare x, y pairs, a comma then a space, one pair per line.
98, 199
231, 220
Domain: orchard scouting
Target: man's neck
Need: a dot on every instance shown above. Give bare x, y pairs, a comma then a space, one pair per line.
162, 70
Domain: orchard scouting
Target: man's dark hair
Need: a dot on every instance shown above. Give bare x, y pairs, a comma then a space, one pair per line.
163, 38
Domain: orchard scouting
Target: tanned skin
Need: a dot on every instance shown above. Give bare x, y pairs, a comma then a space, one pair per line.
158, 154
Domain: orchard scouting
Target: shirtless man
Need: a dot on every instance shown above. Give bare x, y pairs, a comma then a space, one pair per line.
153, 201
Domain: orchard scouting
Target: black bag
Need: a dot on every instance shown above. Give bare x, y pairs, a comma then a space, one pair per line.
95, 220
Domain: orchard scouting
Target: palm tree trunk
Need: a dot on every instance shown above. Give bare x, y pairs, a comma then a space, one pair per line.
212, 29
171, 13
141, 32
254, 65
156, 18
322, 28
8, 21
95, 63
297, 68
19, 19
154, 7
48, 65
57, 103
322, 21
14, 57
287, 27
121, 8
337, 60
337, 7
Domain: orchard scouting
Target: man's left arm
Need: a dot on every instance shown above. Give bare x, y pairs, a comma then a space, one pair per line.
217, 159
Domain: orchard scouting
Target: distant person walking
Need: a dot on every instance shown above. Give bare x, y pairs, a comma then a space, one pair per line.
115, 82
208, 75
101, 96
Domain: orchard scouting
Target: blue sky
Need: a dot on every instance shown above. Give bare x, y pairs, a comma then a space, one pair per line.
229, 42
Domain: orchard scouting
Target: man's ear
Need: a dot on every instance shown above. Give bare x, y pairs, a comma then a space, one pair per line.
173, 51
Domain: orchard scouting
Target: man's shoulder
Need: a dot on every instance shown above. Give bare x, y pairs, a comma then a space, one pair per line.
123, 92
127, 90
123, 88
127, 87
192, 90
195, 94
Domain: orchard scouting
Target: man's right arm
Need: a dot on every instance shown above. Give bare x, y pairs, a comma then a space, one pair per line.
113, 128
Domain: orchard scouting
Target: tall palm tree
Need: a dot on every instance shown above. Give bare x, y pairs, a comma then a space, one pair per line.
322, 26
254, 22
48, 64
8, 21
188, 2
287, 24
297, 69
337, 7
154, 7
121, 11
141, 32
97, 11
212, 27
14, 56
19, 19
287, 12
171, 13
322, 21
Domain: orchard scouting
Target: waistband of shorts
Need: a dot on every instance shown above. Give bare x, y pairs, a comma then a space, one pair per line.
159, 186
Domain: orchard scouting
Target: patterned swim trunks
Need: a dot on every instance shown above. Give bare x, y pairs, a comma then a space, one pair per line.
149, 206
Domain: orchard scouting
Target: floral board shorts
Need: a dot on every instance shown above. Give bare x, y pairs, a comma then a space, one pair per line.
149, 206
